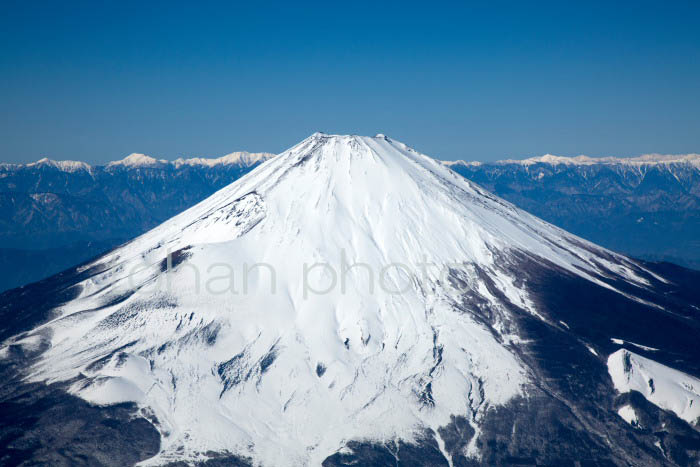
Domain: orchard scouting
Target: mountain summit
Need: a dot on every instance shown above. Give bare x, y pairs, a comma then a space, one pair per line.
355, 301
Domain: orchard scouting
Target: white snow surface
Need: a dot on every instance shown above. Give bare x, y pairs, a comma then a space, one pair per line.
617, 341
663, 386
286, 375
138, 160
629, 415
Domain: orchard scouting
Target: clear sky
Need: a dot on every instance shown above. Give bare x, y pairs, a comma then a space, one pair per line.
96, 81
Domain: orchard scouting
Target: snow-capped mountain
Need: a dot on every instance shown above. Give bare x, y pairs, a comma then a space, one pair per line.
352, 301
63, 166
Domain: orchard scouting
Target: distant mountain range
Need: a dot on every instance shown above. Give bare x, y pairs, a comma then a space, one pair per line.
647, 206
54, 214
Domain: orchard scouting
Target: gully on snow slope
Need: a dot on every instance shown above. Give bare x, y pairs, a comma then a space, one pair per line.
354, 301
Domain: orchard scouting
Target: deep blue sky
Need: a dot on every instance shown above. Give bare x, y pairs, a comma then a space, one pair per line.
96, 81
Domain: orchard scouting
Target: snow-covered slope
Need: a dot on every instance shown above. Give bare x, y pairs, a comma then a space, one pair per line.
663, 386
332, 294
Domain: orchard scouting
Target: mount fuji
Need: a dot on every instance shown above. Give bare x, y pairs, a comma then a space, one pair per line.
353, 302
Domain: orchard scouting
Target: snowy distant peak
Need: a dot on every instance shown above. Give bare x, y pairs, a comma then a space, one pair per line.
241, 158
138, 160
646, 159
554, 160
461, 162
65, 166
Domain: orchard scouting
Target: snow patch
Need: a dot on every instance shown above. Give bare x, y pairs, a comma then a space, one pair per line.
663, 386
629, 415
639, 346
